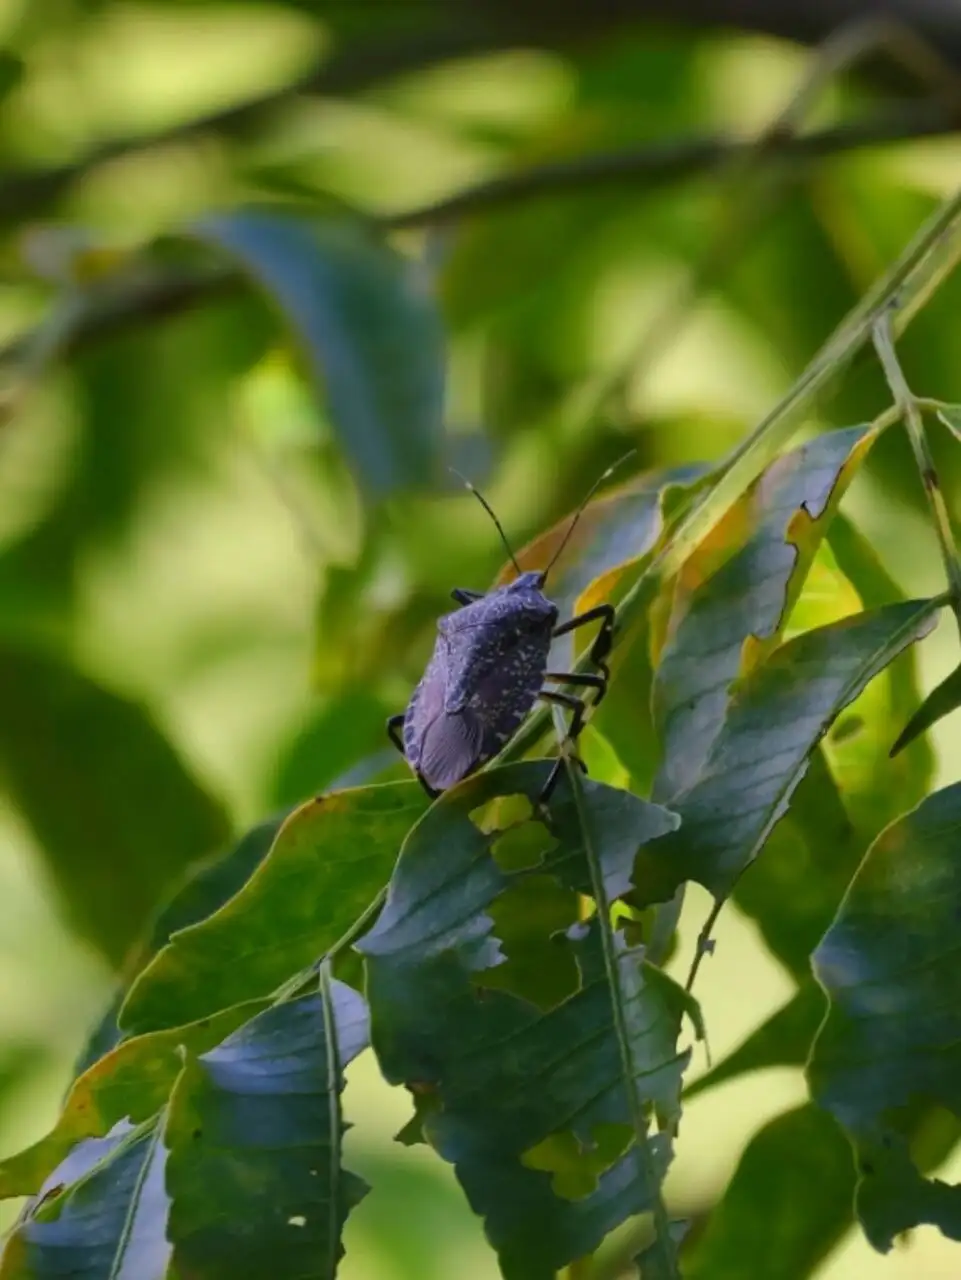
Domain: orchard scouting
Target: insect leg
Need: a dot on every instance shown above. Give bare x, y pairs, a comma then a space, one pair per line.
585, 681
463, 595
603, 641
578, 708
394, 726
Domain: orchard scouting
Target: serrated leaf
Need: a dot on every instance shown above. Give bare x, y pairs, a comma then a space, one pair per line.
890, 1040
491, 1113
788, 1203
733, 595
131, 1082
110, 1223
115, 810
328, 861
371, 334
775, 718
254, 1129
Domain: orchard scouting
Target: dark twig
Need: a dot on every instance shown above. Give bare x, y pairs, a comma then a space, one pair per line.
155, 294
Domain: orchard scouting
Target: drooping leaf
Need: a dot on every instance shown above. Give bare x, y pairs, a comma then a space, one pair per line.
110, 1223
776, 716
890, 1042
789, 1201
115, 810
735, 592
328, 861
370, 332
523, 1129
131, 1082
254, 1130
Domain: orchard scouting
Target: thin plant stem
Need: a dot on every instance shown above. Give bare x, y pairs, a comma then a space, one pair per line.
909, 408
909, 283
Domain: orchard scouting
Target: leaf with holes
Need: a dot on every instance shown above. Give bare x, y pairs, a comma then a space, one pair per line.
254, 1131
776, 717
734, 594
540, 1137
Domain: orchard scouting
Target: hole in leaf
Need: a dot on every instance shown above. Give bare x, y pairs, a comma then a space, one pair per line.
523, 846
501, 812
530, 917
576, 1165
298, 1220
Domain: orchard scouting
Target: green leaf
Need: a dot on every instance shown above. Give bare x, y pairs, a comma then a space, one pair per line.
206, 887
254, 1131
775, 718
329, 860
131, 1082
540, 1137
109, 1223
734, 594
950, 415
890, 1040
939, 703
371, 334
114, 809
788, 1203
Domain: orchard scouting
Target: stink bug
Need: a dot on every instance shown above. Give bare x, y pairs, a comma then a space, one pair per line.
488, 669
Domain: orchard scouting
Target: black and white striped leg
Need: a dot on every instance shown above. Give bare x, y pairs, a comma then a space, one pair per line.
603, 641
577, 708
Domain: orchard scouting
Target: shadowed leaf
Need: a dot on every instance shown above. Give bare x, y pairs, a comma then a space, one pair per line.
790, 1200
491, 1113
890, 1041
371, 334
115, 810
110, 1223
254, 1131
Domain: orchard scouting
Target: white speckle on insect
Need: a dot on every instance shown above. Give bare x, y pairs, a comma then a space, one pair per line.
298, 1220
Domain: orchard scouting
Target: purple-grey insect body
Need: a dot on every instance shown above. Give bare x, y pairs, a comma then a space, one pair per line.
484, 676
488, 669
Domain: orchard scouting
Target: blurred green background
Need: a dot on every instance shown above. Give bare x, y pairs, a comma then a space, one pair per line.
177, 520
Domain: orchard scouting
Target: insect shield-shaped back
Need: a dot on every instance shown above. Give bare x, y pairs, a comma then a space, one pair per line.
488, 668
483, 678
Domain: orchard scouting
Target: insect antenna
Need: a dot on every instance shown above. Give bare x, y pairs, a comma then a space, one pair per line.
490, 511
606, 475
